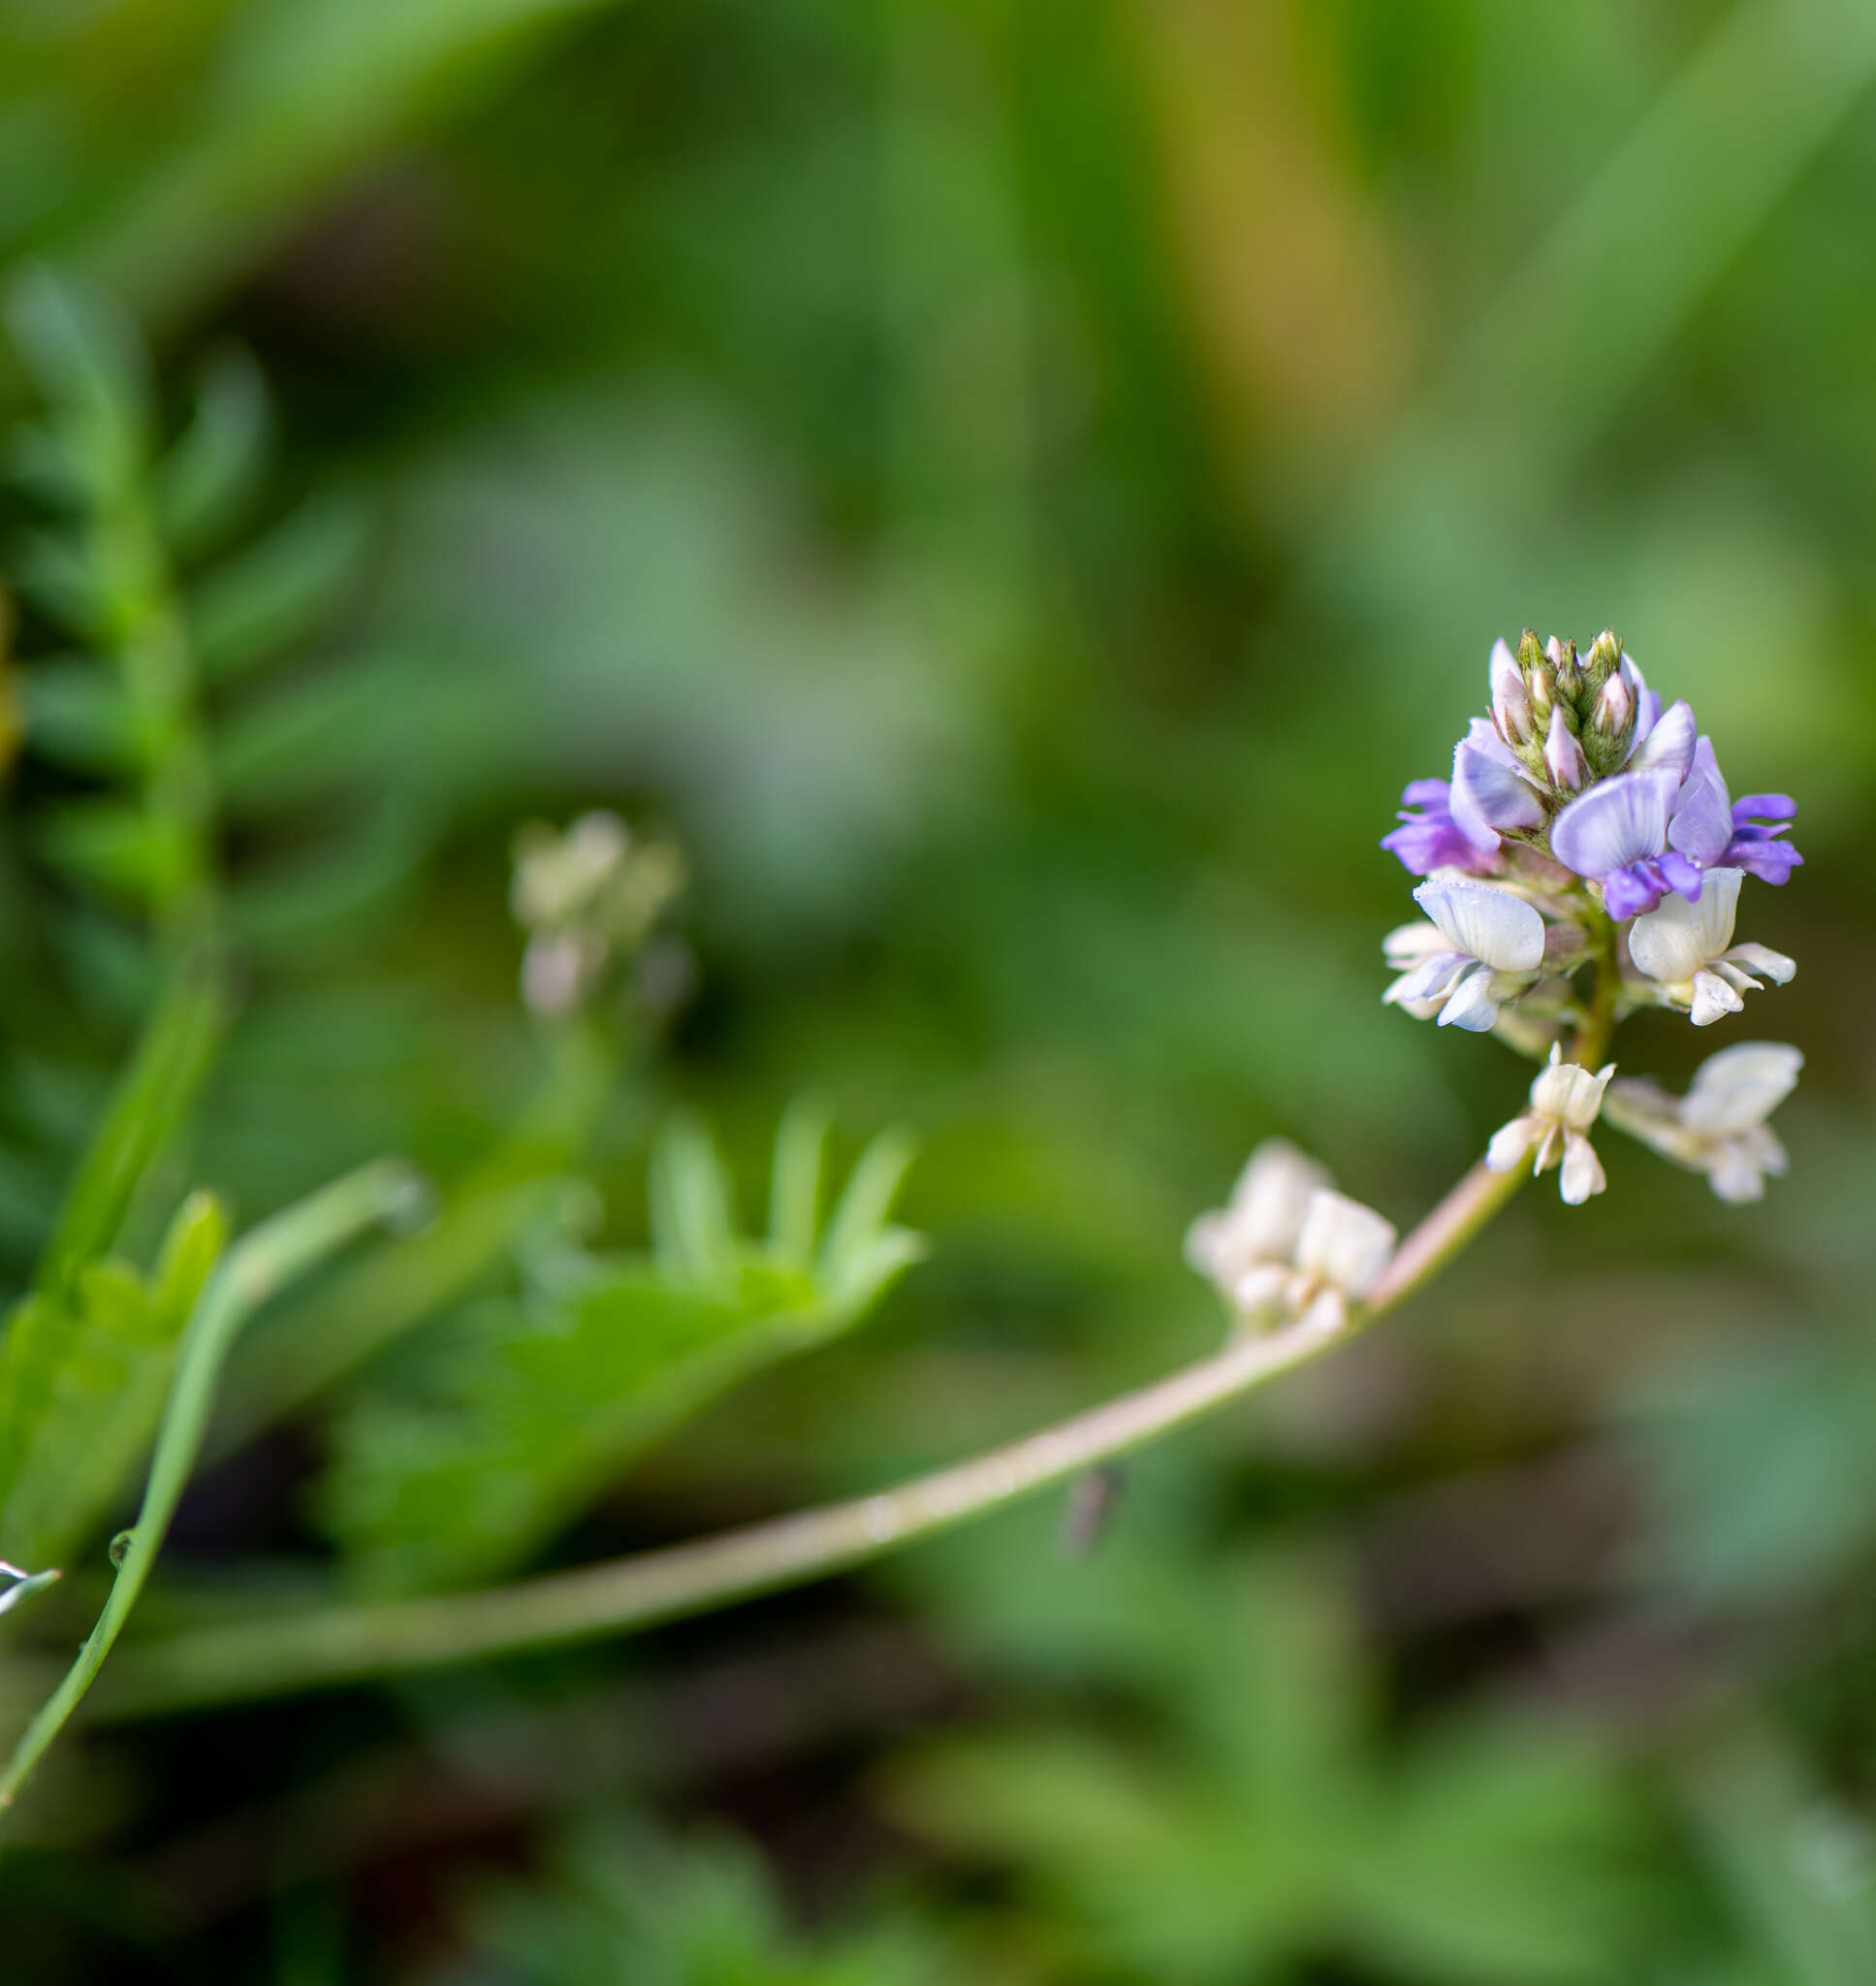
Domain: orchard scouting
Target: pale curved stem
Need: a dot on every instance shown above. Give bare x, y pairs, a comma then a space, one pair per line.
311, 1649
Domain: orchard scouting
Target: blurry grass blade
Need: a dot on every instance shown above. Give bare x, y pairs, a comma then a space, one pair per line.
24, 1588
82, 1377
795, 1190
276, 1252
279, 591
214, 469
150, 1107
78, 715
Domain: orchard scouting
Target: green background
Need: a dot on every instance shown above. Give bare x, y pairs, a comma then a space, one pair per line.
1015, 490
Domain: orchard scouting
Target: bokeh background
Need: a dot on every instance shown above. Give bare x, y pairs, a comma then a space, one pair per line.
1015, 490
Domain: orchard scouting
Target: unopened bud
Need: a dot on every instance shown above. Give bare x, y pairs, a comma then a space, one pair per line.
1511, 700
1562, 657
1611, 724
1563, 757
1600, 664
1614, 711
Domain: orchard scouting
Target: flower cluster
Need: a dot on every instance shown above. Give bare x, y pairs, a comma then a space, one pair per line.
1287, 1245
1586, 826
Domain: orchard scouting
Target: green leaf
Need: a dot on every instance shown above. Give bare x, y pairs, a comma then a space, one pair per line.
78, 715
215, 467
537, 1404
279, 591
618, 1902
83, 1373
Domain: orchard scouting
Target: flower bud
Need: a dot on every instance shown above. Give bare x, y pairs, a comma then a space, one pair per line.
1611, 723
1512, 711
1601, 664
1562, 657
1540, 680
1563, 757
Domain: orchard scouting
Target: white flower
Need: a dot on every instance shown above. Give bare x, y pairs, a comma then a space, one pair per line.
1480, 944
1689, 949
1564, 1102
1262, 1221
1719, 1126
1340, 1254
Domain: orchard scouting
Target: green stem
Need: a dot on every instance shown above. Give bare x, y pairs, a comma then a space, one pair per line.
278, 1250
344, 1643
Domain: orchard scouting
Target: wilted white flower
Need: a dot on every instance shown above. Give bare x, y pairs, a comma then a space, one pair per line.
1262, 1219
1340, 1253
1688, 948
1719, 1126
1565, 1100
1482, 945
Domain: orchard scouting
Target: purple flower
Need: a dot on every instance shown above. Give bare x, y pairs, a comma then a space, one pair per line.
1491, 790
1431, 839
1616, 833
1713, 830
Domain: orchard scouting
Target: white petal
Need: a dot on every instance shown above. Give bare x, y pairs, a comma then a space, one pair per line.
1740, 1086
1406, 944
1272, 1196
1344, 1242
1327, 1313
1431, 980
1583, 1169
1761, 958
1679, 940
1264, 1287
1713, 1000
1733, 1175
1492, 925
1470, 1005
1509, 1144
1571, 1094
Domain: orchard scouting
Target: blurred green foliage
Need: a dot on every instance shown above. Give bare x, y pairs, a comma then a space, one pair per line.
1015, 490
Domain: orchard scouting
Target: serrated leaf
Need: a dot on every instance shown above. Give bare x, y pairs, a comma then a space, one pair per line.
214, 468
117, 849
315, 735
534, 1407
82, 1374
78, 714
301, 902
280, 591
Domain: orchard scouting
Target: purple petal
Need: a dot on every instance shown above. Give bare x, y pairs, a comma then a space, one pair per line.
1668, 744
1771, 861
1489, 793
1701, 824
1628, 892
1431, 840
1763, 807
1621, 822
1679, 874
